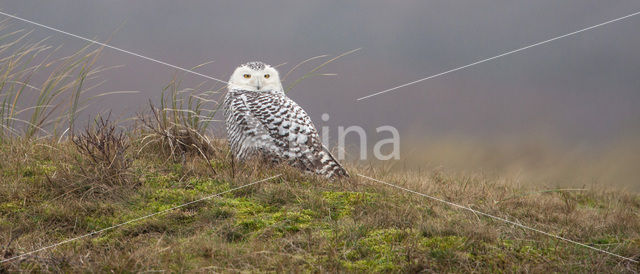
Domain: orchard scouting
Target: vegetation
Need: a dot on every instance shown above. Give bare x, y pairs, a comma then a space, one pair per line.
53, 189
293, 222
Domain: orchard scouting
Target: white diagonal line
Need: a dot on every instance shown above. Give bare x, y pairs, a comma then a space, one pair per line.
111, 47
499, 219
498, 56
136, 219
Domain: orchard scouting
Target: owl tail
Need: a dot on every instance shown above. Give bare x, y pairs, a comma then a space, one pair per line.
329, 166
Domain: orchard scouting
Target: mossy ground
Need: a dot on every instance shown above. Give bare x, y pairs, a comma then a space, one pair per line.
295, 222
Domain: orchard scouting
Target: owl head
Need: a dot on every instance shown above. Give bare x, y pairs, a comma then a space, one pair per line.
255, 76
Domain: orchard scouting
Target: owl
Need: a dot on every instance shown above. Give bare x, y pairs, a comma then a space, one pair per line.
262, 121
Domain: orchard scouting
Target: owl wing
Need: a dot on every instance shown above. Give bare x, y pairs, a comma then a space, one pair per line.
246, 133
292, 134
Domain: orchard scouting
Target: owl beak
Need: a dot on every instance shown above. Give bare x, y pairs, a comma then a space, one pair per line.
259, 85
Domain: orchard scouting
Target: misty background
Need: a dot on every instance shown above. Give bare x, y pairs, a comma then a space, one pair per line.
576, 97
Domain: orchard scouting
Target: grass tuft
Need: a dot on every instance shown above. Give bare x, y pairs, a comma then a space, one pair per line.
107, 151
46, 108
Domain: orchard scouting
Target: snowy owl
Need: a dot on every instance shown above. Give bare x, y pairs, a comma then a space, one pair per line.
262, 121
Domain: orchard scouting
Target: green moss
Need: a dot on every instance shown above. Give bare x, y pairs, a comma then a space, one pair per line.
343, 203
46, 167
380, 250
163, 199
292, 221
443, 247
608, 239
39, 168
250, 216
531, 251
159, 180
95, 223
208, 185
252, 224
244, 208
28, 172
388, 250
10, 207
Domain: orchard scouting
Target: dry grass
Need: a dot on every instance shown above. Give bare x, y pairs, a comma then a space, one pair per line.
107, 151
298, 222
46, 108
175, 138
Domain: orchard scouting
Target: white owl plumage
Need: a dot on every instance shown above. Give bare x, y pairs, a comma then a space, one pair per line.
262, 121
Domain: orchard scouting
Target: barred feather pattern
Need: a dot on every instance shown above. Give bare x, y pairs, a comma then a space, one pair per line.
269, 124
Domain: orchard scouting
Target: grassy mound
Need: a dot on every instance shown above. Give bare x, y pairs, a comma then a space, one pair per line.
50, 192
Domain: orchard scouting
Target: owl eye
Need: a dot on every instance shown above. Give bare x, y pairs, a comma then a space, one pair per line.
267, 76
247, 76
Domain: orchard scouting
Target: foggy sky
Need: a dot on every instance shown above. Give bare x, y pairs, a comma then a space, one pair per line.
584, 88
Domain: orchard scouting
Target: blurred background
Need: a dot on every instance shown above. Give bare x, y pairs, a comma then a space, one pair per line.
561, 114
